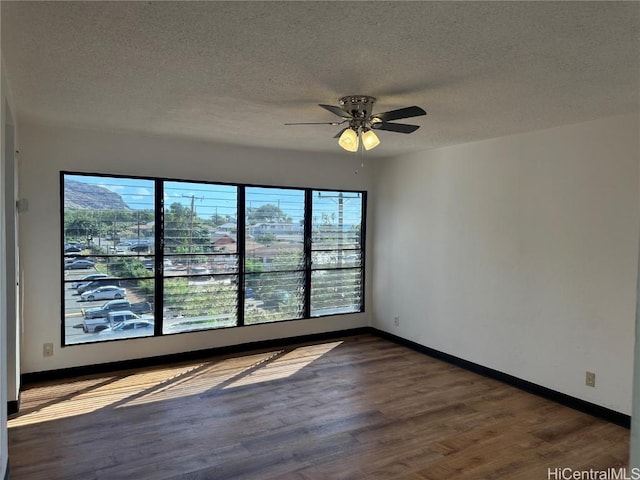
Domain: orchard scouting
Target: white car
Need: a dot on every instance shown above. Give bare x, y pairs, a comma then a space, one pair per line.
128, 329
108, 292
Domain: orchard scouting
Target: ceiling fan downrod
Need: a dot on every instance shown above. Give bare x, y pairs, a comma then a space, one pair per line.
359, 108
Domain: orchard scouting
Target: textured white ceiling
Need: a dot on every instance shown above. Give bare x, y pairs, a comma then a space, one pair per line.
236, 71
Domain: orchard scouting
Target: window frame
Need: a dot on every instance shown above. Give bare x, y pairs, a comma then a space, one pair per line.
362, 240
159, 254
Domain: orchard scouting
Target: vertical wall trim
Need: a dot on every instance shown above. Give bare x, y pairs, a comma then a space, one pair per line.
634, 447
11, 255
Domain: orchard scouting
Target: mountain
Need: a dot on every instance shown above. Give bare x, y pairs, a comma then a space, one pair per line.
84, 196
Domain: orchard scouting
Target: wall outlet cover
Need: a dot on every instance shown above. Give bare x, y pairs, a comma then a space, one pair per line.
590, 379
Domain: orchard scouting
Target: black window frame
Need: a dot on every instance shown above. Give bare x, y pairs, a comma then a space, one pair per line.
158, 239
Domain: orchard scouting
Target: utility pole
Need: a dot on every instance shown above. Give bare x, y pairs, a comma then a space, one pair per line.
138, 220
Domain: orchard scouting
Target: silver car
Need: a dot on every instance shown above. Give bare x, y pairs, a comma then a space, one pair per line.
78, 264
108, 292
128, 329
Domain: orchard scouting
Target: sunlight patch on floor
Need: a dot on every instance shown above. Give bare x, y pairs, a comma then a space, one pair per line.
203, 380
103, 395
166, 383
286, 365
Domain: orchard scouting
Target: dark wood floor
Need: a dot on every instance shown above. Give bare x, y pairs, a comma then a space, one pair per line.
354, 408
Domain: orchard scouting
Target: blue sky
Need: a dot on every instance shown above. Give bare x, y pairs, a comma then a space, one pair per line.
211, 199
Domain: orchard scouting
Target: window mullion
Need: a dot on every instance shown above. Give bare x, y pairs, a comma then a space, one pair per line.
158, 298
240, 251
363, 236
308, 201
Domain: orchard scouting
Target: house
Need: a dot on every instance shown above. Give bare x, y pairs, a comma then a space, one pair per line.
226, 228
504, 231
277, 229
223, 242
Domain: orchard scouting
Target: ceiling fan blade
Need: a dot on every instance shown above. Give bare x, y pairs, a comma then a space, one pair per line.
339, 134
316, 123
335, 110
395, 127
406, 112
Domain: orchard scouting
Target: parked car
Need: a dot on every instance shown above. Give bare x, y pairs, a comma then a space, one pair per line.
95, 325
140, 248
128, 329
108, 292
88, 279
198, 270
142, 307
103, 310
116, 306
72, 249
78, 264
100, 282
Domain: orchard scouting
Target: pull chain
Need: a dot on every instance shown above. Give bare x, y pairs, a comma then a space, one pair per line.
359, 157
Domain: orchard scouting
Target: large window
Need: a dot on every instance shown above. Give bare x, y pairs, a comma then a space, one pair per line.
108, 258
145, 257
200, 262
336, 239
274, 254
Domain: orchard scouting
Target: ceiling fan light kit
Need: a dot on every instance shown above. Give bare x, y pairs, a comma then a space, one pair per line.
357, 111
370, 140
349, 140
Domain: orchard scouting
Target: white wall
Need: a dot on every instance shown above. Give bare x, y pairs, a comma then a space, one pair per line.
44, 151
4, 359
517, 253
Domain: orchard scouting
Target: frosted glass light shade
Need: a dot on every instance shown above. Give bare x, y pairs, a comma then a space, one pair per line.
349, 140
370, 140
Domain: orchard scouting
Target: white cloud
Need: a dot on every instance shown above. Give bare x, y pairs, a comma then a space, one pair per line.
113, 188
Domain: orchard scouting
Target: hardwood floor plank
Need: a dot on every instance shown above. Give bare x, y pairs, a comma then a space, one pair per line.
319, 411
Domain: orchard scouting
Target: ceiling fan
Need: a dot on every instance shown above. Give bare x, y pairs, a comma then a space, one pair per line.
356, 110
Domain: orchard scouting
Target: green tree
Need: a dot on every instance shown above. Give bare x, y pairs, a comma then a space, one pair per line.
192, 300
220, 219
183, 228
80, 224
267, 214
265, 238
127, 267
252, 279
105, 223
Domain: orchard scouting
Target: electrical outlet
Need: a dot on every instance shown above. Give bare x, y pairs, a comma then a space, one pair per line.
396, 321
47, 350
590, 379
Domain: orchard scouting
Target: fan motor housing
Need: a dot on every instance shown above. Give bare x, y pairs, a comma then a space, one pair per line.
358, 106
